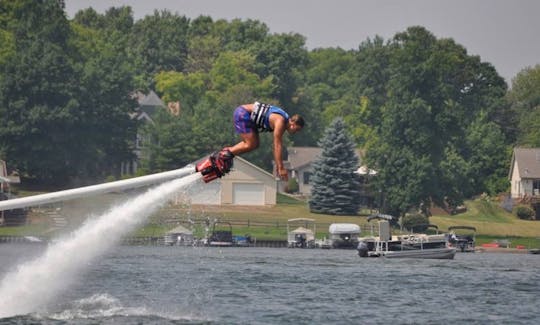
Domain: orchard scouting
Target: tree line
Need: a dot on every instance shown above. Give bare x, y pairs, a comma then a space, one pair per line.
437, 123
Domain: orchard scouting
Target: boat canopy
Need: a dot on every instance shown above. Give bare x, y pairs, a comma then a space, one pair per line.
380, 216
180, 230
302, 230
462, 227
344, 228
301, 219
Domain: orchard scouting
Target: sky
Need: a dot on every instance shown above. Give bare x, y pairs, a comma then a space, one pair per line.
505, 33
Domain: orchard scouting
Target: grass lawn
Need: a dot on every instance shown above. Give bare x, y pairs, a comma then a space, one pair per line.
269, 223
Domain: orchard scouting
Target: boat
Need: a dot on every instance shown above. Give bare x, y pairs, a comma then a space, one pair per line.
242, 241
464, 242
406, 246
301, 233
221, 234
421, 240
344, 235
179, 236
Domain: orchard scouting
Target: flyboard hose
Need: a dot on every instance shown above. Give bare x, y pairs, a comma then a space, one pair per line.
211, 167
95, 189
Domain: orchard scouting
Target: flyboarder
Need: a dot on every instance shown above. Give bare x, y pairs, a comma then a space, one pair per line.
249, 120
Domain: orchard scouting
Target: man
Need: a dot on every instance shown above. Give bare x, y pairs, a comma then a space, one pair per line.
249, 120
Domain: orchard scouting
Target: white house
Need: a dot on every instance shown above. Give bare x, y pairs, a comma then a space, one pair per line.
524, 172
246, 184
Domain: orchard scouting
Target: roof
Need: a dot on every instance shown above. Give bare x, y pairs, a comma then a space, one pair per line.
180, 230
148, 104
301, 156
255, 167
298, 157
527, 161
152, 99
344, 228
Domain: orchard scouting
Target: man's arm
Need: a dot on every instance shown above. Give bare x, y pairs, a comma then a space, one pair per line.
279, 129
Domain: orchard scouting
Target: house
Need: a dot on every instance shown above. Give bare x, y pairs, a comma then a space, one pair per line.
246, 184
524, 173
299, 163
148, 105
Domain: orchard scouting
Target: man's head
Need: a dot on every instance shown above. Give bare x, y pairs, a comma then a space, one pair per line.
296, 123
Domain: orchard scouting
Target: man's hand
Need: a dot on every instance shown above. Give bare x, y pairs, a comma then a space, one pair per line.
283, 173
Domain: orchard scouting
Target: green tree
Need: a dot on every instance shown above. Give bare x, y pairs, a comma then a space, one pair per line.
159, 42
524, 98
170, 143
439, 100
38, 91
282, 57
335, 187
107, 83
326, 89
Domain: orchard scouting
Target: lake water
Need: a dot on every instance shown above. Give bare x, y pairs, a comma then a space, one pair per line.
203, 285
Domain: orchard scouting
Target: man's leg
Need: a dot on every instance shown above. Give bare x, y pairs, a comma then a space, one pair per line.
250, 142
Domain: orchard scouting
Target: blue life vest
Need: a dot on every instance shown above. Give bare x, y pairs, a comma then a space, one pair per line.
261, 113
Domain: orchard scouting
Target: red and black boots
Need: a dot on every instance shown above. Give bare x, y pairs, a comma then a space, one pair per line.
216, 165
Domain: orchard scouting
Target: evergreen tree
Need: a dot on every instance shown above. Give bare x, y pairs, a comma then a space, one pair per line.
336, 188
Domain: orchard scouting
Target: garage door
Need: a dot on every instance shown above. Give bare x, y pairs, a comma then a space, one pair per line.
248, 194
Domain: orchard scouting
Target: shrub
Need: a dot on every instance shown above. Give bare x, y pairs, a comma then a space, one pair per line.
416, 221
525, 212
292, 186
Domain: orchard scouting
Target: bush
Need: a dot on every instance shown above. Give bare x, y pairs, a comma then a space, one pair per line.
525, 212
292, 186
416, 221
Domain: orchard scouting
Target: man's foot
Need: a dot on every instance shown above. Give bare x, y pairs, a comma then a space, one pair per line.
224, 161
216, 165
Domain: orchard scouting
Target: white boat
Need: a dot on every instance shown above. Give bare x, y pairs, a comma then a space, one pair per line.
420, 246
301, 233
446, 253
344, 235
179, 236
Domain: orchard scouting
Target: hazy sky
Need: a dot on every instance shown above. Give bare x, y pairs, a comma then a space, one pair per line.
505, 33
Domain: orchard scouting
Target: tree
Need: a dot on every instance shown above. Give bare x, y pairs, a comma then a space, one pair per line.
64, 94
107, 82
282, 57
335, 187
159, 42
441, 104
38, 93
524, 98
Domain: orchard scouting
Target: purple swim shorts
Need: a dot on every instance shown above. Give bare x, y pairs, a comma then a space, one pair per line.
242, 121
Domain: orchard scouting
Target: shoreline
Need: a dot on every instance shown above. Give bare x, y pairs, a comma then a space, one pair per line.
503, 250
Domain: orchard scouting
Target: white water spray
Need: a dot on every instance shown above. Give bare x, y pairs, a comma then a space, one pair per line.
33, 284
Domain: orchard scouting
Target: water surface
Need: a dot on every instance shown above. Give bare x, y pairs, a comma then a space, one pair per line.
202, 285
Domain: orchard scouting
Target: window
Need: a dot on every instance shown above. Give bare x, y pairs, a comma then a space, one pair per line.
536, 187
307, 176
